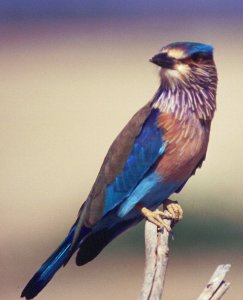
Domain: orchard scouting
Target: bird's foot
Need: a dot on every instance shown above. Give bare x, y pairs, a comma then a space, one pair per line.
155, 217
174, 208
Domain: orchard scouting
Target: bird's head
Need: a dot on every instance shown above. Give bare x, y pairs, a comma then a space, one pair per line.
186, 63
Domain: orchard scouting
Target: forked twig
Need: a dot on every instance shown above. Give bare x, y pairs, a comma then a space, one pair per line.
216, 287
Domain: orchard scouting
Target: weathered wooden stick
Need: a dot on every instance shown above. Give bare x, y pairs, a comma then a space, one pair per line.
216, 287
156, 258
221, 291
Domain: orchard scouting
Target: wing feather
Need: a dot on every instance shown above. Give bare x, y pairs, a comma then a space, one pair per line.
132, 154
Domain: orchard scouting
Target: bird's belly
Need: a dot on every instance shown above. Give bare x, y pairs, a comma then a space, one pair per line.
159, 194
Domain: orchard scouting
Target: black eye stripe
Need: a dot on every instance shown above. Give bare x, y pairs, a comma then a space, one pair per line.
197, 57
202, 56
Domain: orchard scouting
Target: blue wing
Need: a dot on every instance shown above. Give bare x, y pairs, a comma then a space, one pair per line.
146, 149
134, 152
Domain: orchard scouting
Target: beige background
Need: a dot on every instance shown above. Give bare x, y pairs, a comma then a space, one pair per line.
66, 92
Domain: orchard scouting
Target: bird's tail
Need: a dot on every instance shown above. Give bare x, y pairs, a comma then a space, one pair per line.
51, 265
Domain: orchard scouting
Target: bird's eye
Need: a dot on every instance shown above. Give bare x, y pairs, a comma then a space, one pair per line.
201, 57
197, 57
194, 58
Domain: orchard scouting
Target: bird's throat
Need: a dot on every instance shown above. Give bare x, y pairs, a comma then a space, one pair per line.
182, 101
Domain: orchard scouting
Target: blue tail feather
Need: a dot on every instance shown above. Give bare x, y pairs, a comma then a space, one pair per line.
51, 265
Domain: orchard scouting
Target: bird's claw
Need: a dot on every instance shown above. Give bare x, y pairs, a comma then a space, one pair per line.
174, 209
155, 218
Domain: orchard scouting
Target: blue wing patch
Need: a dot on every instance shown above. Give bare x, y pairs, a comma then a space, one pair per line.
147, 148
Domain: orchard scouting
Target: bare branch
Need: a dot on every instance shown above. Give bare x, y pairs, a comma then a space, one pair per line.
156, 259
216, 287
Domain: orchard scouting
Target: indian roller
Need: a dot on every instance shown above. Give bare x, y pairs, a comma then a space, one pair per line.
153, 157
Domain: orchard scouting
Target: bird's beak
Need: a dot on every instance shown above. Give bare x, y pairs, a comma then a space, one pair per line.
163, 60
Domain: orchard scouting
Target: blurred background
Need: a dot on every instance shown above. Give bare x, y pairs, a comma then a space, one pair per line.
72, 74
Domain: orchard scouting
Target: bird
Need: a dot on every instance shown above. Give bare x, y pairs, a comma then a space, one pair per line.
153, 157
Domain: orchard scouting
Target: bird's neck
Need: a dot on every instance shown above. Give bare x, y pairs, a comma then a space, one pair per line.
184, 100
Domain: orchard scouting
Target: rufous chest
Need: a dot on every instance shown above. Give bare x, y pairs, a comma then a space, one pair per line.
186, 141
